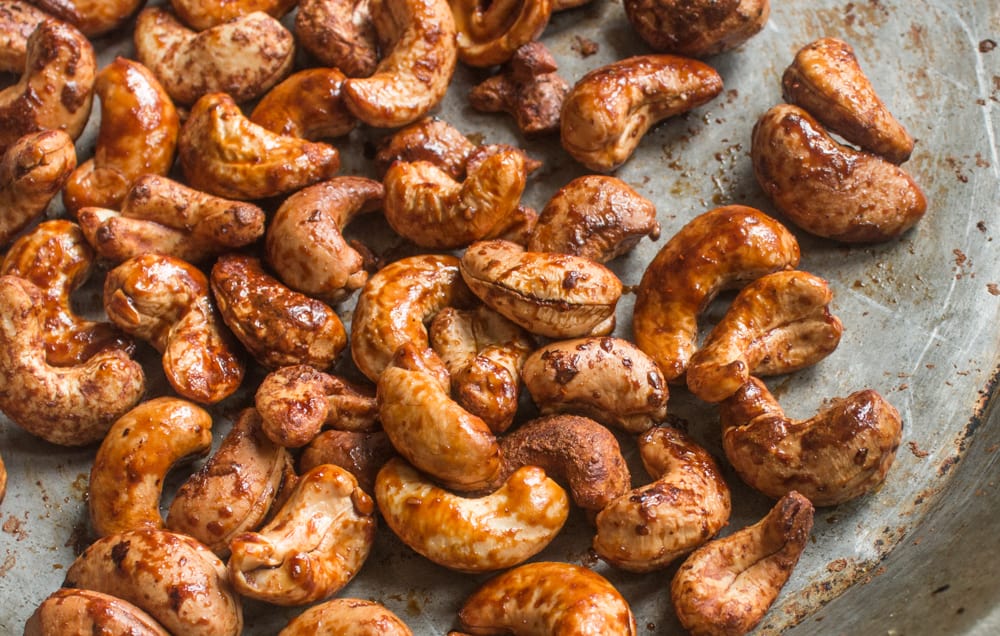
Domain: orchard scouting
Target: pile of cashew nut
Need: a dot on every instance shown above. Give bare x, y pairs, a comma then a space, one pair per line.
221, 238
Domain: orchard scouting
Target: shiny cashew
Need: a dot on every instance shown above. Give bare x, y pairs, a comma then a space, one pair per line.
699, 28
18, 20
307, 104
340, 34
32, 171
346, 617
69, 611
490, 32
497, 531
361, 453
92, 17
3, 480
607, 112
723, 248
205, 14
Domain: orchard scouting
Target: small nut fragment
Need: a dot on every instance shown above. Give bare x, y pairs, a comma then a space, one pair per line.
32, 171
340, 34
92, 17
205, 14
361, 453
489, 33
307, 104
697, 28
68, 611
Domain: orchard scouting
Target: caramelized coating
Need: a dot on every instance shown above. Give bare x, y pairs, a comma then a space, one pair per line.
697, 28
432, 140
68, 611
839, 454
92, 17
727, 586
489, 33
307, 104
339, 33
3, 480
346, 617
18, 20
32, 171
205, 14
361, 453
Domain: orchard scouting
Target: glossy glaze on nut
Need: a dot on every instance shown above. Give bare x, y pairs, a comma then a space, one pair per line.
69, 611
346, 617
93, 17
697, 28
32, 172
361, 453
490, 33
205, 14
308, 104
340, 34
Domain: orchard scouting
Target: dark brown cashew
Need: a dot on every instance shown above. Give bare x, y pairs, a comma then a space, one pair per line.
205, 14
697, 28
490, 32
340, 34
69, 611
32, 171
361, 453
18, 20
307, 104
92, 17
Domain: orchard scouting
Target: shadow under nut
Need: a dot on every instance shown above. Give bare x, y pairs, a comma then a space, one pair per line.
69, 611
32, 172
699, 28
346, 617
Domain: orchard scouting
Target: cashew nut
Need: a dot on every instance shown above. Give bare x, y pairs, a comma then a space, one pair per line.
610, 108
308, 104
166, 302
224, 153
68, 611
829, 189
3, 480
361, 453
18, 20
346, 617
547, 598
126, 479
32, 171
174, 578
339, 33
482, 534
841, 453
490, 32
313, 547
552, 295
723, 248
205, 14
727, 585
71, 406
92, 17
699, 28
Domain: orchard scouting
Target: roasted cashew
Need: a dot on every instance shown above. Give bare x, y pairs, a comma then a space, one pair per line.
361, 453
829, 189
71, 406
841, 453
418, 37
32, 171
205, 14
686, 504
727, 585
92, 17
723, 248
139, 128
497, 531
346, 617
174, 578
166, 302
3, 480
552, 295
126, 479
340, 34
68, 611
313, 547
547, 598
699, 28
18, 20
490, 32
307, 104
224, 153
826, 80
607, 112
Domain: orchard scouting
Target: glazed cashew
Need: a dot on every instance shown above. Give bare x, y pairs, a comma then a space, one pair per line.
490, 32
699, 28
418, 37
839, 454
829, 189
346, 617
224, 153
826, 80
71, 406
93, 17
723, 248
307, 104
547, 598
497, 531
313, 547
175, 579
340, 34
361, 453
607, 112
139, 450
166, 302
18, 20
32, 171
3, 480
552, 295
304, 242
68, 611
727, 585
205, 14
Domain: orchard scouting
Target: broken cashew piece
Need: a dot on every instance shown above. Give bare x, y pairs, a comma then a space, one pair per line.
307, 104
32, 171
69, 611
346, 617
205, 14
361, 453
339, 34
699, 28
490, 32
93, 17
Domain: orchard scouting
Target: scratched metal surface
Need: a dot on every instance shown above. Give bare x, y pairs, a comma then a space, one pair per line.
921, 317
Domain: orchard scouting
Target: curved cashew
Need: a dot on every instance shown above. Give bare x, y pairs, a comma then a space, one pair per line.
313, 547
727, 585
32, 171
93, 17
71, 406
490, 32
361, 453
346, 617
841, 453
610, 108
723, 248
224, 153
126, 479
829, 189
166, 302
278, 326
497, 531
68, 611
340, 34
548, 598
413, 76
686, 504
18, 20
139, 128
552, 295
205, 14
175, 579
307, 104
304, 241
826, 80
699, 28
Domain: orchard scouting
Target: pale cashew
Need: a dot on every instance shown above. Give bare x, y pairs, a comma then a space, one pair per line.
316, 543
71, 406
412, 77
224, 153
93, 17
727, 585
607, 112
174, 578
166, 302
18, 20
552, 295
490, 32
127, 477
346, 617
699, 28
32, 171
139, 128
723, 248
307, 104
278, 326
608, 379
234, 490
304, 242
205, 14
826, 80
547, 598
430, 429
497, 531
361, 453
69, 611
829, 189
839, 454
339, 33
777, 324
